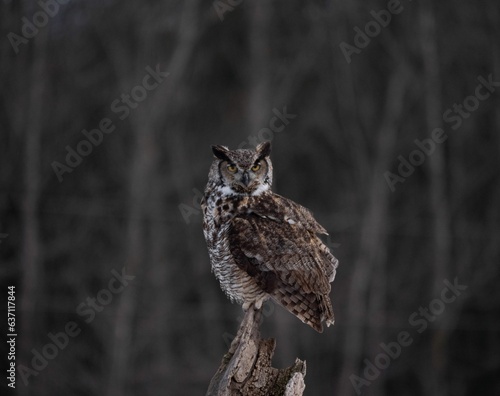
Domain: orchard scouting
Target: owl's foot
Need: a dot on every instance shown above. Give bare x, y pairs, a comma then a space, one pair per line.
256, 304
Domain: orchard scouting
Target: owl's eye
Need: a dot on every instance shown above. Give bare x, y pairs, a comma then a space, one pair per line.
232, 168
255, 167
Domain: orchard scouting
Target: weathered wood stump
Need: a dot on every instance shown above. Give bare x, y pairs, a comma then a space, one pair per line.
246, 369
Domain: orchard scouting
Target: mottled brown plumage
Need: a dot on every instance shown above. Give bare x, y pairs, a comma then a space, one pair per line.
261, 244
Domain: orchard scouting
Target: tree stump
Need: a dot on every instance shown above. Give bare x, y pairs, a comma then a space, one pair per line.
246, 368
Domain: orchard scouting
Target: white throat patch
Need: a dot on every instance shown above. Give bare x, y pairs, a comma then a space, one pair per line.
228, 191
260, 189
225, 191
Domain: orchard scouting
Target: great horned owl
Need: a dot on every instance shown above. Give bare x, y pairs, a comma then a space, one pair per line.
262, 245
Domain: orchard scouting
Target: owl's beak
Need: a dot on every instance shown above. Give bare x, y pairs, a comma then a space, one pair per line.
245, 179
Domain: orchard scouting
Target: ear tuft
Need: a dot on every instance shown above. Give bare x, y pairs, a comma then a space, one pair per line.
263, 149
220, 152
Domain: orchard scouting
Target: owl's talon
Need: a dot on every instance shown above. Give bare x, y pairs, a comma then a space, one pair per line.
256, 305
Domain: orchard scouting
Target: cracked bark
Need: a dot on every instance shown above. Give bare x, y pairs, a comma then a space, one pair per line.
246, 367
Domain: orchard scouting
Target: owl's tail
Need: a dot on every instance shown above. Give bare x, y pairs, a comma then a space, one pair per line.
312, 309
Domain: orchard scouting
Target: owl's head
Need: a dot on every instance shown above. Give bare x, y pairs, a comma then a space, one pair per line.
242, 171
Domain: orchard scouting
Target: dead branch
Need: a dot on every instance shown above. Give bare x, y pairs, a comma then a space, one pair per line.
246, 368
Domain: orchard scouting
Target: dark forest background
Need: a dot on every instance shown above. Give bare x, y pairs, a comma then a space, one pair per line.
131, 205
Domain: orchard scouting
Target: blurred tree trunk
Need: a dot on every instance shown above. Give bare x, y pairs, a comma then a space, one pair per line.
259, 104
439, 202
367, 289
138, 199
32, 280
140, 173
